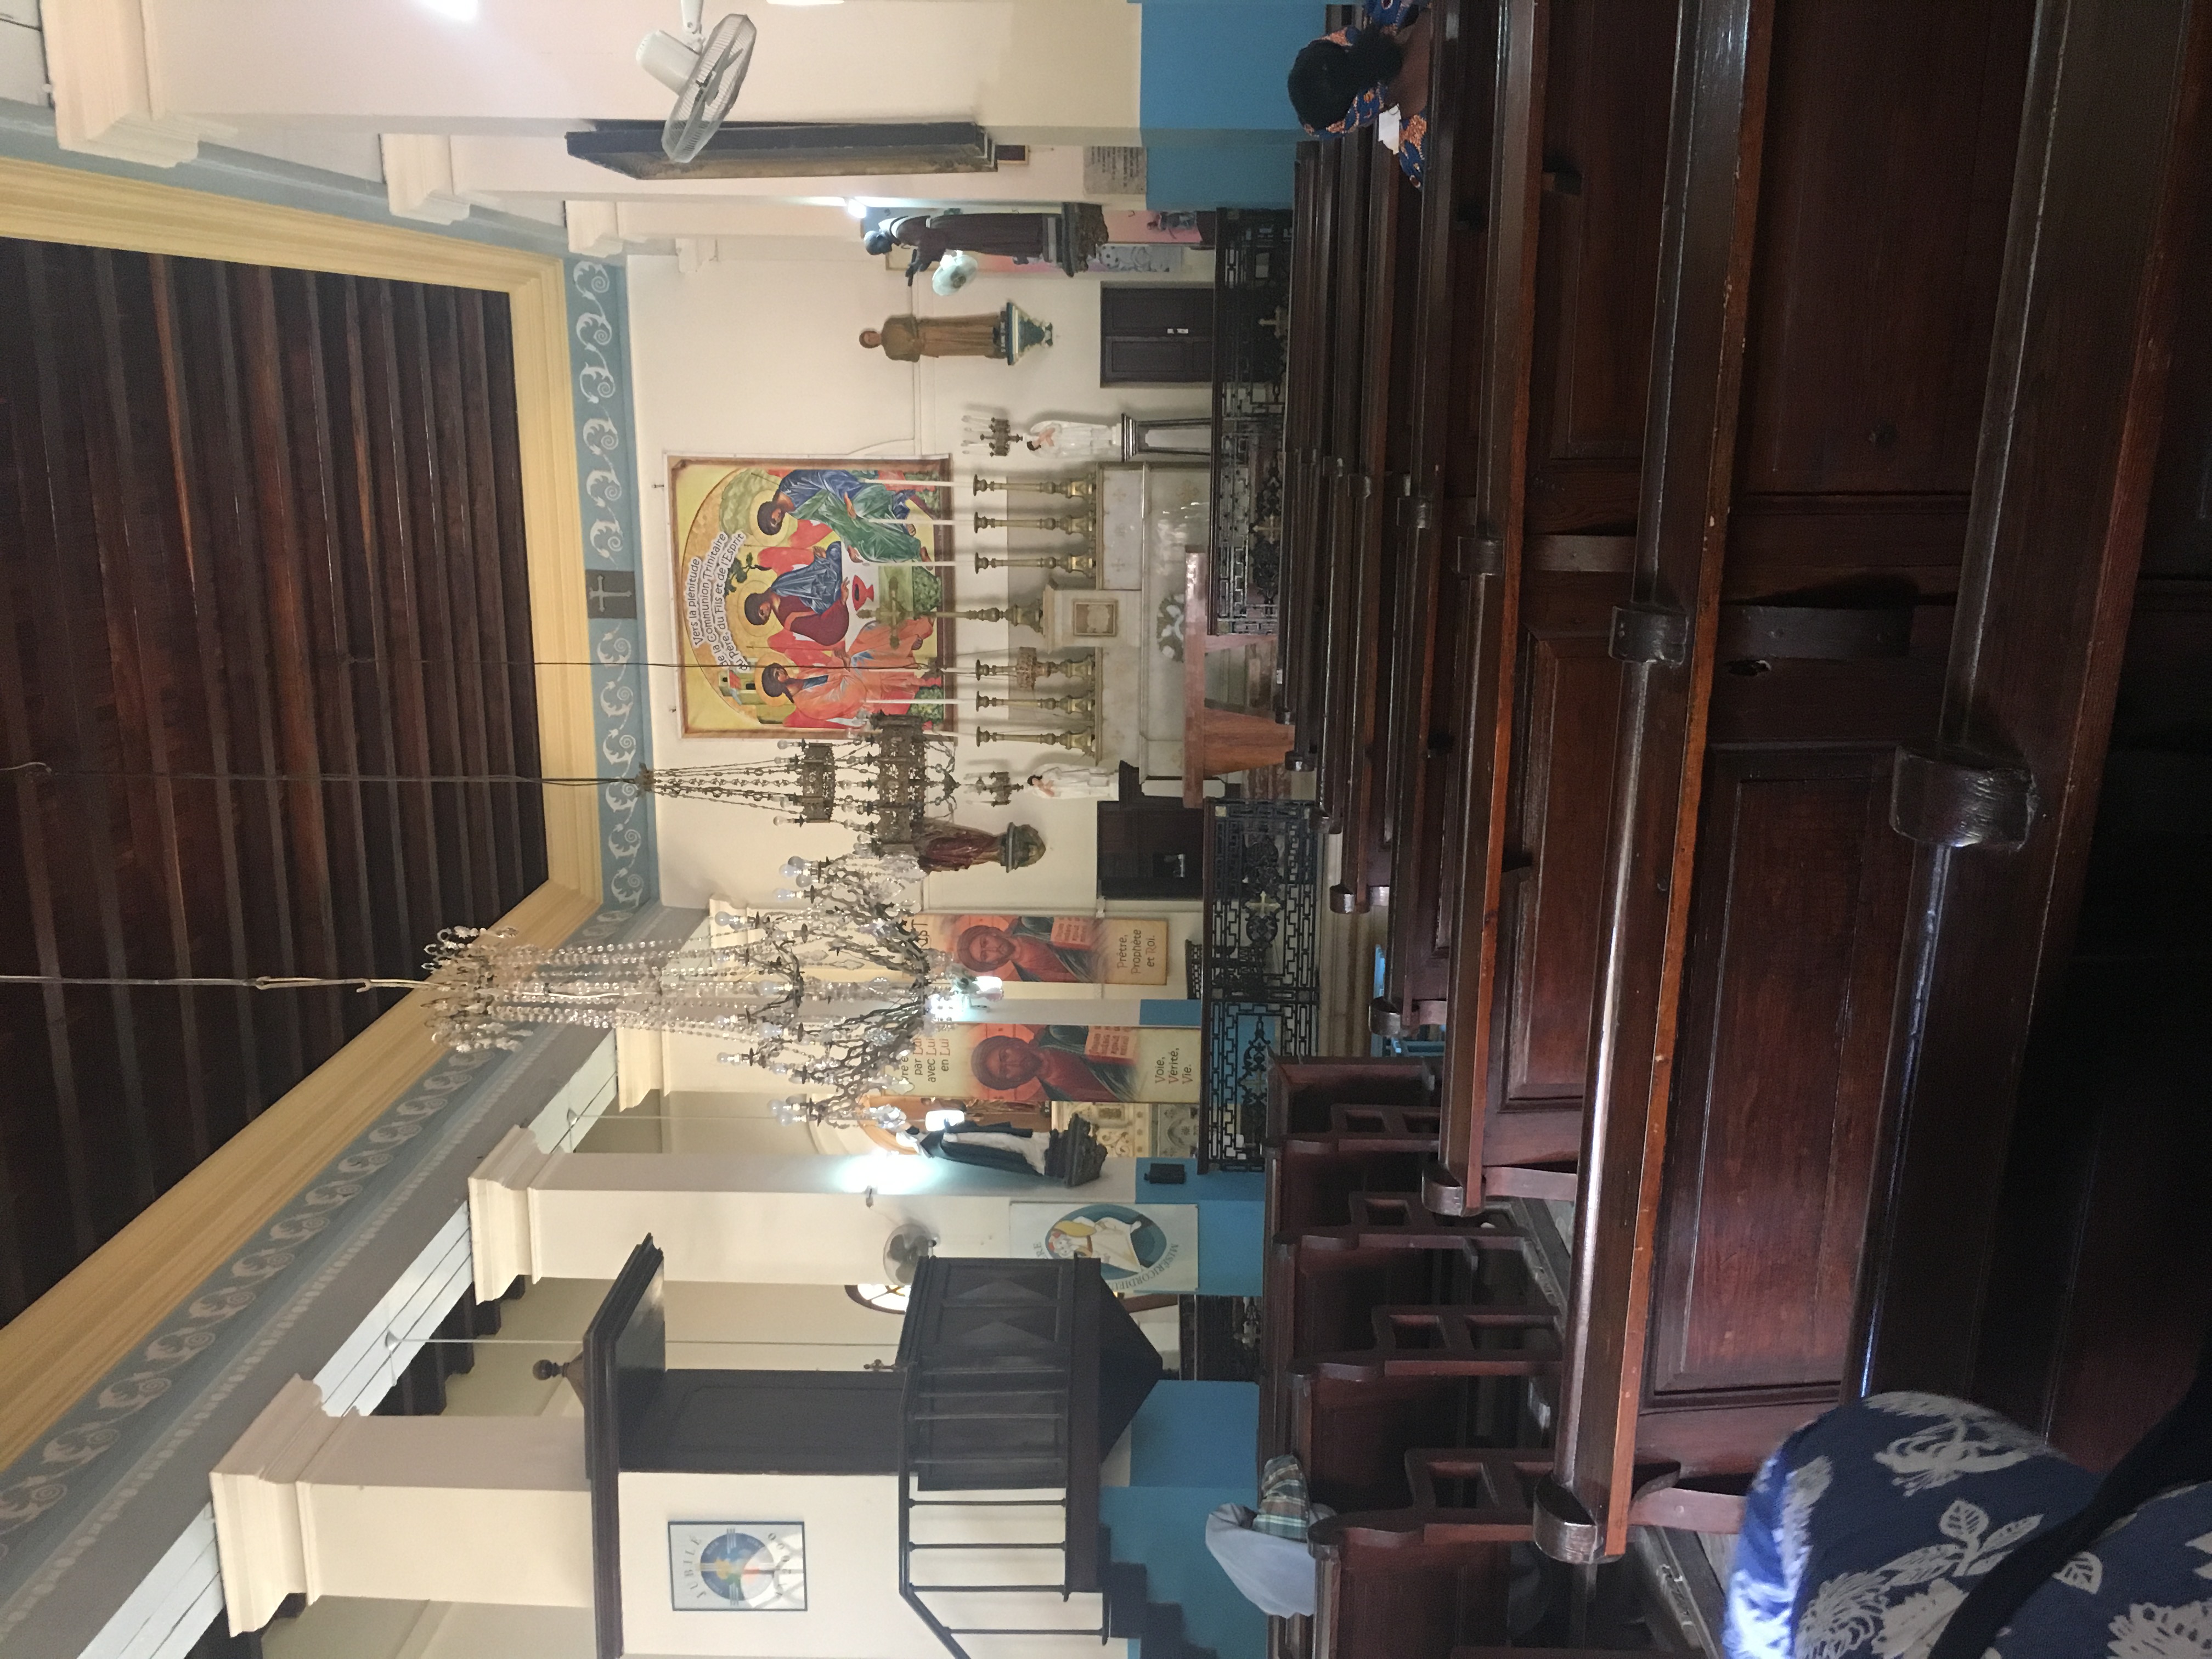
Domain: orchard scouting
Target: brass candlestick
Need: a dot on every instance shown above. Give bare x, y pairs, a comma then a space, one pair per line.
1067, 705
1027, 668
996, 787
1043, 739
1074, 563
1072, 523
1080, 490
1031, 616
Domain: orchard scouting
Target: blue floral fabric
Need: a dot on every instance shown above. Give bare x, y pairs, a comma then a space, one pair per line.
1368, 107
1868, 1527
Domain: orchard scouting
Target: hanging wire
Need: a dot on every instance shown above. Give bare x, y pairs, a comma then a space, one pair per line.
208, 982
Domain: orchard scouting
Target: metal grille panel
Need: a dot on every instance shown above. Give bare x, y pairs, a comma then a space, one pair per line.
1251, 319
1260, 982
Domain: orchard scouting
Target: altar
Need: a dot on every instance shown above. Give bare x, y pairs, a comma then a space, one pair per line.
1170, 697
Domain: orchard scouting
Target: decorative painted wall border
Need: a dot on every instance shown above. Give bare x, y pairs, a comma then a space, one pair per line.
58, 1499
607, 477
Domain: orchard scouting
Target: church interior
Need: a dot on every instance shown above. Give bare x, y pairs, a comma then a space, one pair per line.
979, 828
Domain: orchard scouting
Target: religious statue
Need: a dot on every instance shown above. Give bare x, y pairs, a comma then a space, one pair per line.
1006, 336
1077, 782
941, 846
933, 235
1074, 441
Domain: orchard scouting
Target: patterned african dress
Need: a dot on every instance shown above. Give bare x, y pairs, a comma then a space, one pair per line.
1368, 107
1869, 1526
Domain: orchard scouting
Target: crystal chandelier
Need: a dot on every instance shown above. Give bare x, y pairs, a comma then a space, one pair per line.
881, 784
830, 995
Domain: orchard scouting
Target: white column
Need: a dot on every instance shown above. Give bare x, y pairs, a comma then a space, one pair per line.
413, 1509
739, 1218
100, 58
418, 178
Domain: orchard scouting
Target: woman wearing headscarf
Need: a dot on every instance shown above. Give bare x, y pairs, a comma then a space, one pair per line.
1374, 73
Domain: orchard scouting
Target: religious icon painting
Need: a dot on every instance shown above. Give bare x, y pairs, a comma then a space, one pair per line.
1054, 950
737, 1566
809, 594
991, 1064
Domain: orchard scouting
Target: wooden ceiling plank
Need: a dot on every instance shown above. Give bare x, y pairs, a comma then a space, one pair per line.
17, 374
245, 657
514, 580
363, 555
492, 666
395, 533
195, 521
433, 589
305, 875
318, 497
449, 403
73, 682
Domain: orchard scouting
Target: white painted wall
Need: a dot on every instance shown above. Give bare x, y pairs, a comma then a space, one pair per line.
509, 168
22, 52
799, 1328
761, 357
1046, 71
741, 1219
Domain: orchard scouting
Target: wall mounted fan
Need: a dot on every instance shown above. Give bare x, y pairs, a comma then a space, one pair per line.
704, 70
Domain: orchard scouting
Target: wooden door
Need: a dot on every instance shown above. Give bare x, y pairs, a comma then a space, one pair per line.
1150, 852
1155, 335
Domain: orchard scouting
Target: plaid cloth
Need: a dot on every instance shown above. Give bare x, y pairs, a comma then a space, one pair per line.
1284, 1512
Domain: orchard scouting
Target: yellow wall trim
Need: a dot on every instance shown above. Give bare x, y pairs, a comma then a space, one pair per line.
63, 1343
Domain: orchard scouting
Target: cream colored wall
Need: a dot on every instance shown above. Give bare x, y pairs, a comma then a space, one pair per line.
800, 1327
22, 53
762, 358
351, 1627
853, 1607
1040, 69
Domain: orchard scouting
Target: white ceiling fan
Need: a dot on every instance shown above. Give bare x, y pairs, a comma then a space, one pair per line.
704, 70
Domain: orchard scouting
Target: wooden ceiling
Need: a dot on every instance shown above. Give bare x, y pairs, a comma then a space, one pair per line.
253, 523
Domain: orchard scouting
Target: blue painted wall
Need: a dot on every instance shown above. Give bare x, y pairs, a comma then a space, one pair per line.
1231, 1222
1193, 1447
1218, 130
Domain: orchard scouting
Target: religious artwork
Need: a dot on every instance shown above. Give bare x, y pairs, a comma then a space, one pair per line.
941, 846
1005, 334
737, 1566
1081, 239
1032, 1065
1054, 950
810, 594
1153, 1247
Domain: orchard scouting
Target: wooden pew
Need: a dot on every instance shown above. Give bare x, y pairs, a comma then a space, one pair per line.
1307, 356
2000, 809
1577, 88
1420, 750
1804, 507
1468, 1339
1343, 411
1395, 214
1390, 1585
1303, 1092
